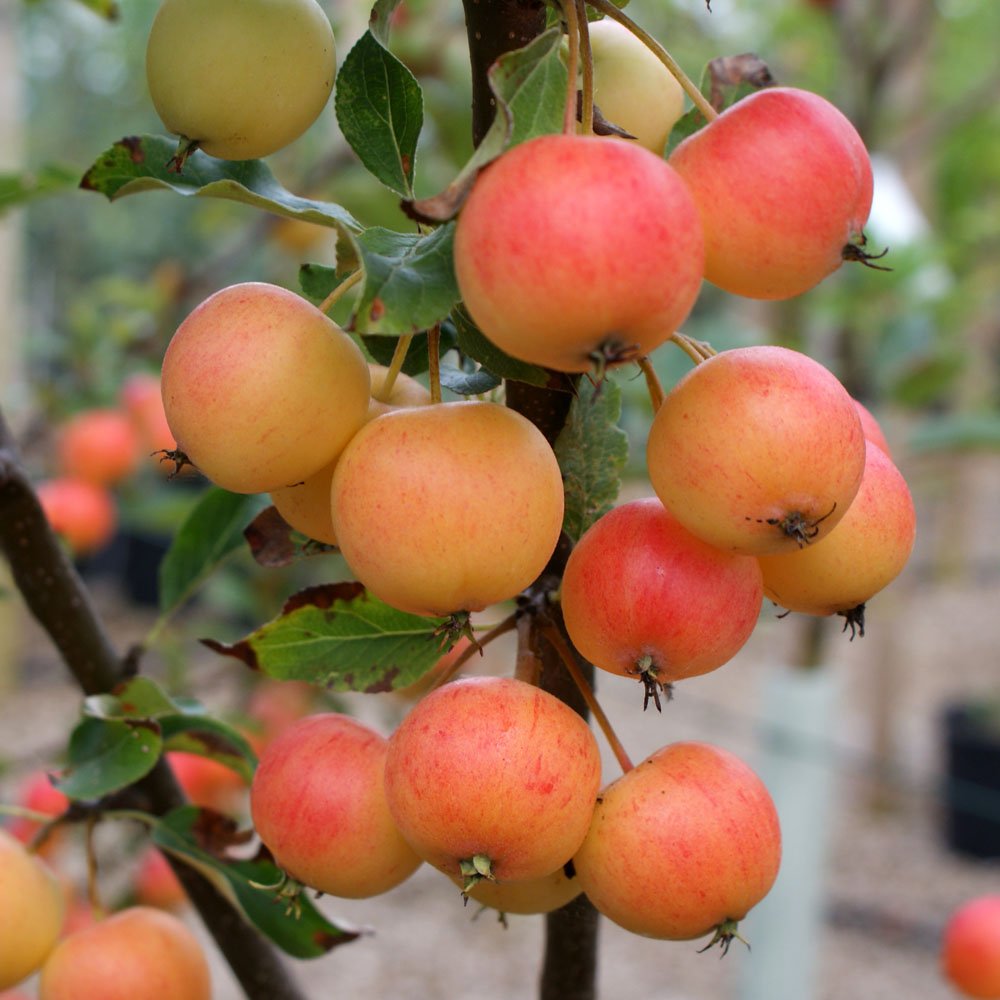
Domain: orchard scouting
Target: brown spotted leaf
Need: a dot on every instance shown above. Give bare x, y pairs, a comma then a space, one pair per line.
274, 542
340, 637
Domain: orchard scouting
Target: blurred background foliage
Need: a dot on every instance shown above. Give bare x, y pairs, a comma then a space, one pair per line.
105, 286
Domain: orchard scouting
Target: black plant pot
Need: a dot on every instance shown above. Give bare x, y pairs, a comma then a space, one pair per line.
143, 555
972, 773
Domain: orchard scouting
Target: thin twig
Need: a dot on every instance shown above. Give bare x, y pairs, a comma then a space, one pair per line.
395, 367
653, 384
434, 362
345, 286
507, 625
586, 69
571, 17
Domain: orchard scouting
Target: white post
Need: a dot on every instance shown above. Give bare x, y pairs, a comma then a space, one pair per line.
797, 762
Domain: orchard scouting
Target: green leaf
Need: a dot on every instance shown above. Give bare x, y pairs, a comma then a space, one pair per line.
339, 637
380, 19
380, 110
474, 344
592, 450
529, 91
409, 282
200, 840
15, 189
142, 163
106, 755
957, 431
138, 698
468, 383
382, 349
212, 531
212, 738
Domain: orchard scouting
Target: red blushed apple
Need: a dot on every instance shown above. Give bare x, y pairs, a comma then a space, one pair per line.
318, 804
494, 769
138, 952
643, 597
783, 183
863, 554
207, 782
100, 446
685, 842
970, 949
757, 450
570, 282
82, 513
156, 884
38, 794
871, 428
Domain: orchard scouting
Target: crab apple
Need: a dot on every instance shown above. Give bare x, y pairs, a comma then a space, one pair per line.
155, 882
306, 505
537, 895
38, 794
32, 905
970, 949
137, 952
493, 772
82, 513
871, 428
783, 183
446, 508
318, 803
633, 89
643, 597
757, 450
261, 389
241, 78
864, 553
600, 277
206, 782
99, 445
685, 842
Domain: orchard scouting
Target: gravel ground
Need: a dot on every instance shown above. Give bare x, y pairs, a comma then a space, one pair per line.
889, 881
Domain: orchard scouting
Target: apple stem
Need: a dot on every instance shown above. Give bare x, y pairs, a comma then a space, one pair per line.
587, 69
395, 367
697, 97
653, 384
434, 362
572, 18
345, 286
476, 646
696, 350
561, 646
528, 667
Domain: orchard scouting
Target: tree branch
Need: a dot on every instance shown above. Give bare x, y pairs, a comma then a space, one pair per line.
59, 601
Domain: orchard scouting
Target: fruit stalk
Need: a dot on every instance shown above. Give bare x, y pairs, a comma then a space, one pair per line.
571, 17
57, 598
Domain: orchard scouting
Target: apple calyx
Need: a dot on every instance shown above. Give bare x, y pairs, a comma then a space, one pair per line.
185, 147
478, 868
611, 352
648, 674
725, 933
797, 525
854, 619
175, 455
287, 891
856, 252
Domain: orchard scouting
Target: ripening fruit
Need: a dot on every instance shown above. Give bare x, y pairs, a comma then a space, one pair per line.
970, 952
783, 184
206, 782
138, 952
447, 508
100, 446
37, 793
757, 450
82, 513
643, 597
318, 803
261, 389
32, 905
537, 895
871, 428
685, 842
567, 283
632, 88
306, 505
155, 882
864, 553
242, 78
496, 769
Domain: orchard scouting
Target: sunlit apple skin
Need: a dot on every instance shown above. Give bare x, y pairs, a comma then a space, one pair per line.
783, 183
758, 450
32, 906
685, 841
261, 389
138, 952
552, 279
99, 445
641, 594
447, 508
633, 89
495, 767
318, 804
241, 77
306, 505
970, 948
862, 555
